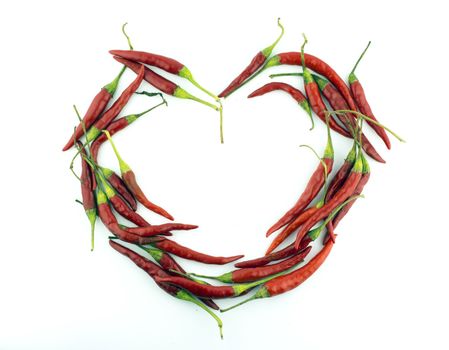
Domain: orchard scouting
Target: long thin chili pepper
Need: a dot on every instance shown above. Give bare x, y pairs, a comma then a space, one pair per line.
87, 193
130, 180
254, 65
291, 280
344, 193
314, 96
297, 95
95, 109
256, 273
115, 109
165, 63
169, 264
118, 185
120, 205
146, 231
362, 102
313, 187
190, 254
209, 291
313, 63
110, 221
121, 123
338, 102
155, 271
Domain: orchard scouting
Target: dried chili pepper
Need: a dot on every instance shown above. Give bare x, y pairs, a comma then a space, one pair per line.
155, 271
291, 280
362, 102
115, 109
314, 96
118, 185
313, 187
190, 254
254, 65
165, 63
339, 197
209, 291
95, 109
146, 231
297, 95
256, 273
338, 102
87, 193
130, 180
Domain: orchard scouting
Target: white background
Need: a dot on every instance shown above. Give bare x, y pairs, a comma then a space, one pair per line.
385, 283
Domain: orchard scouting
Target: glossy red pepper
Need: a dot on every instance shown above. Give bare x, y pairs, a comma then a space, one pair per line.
95, 109
253, 66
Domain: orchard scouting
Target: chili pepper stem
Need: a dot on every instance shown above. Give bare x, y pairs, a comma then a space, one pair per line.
267, 51
185, 73
360, 58
78, 201
184, 295
261, 291
285, 75
363, 116
221, 123
127, 37
124, 167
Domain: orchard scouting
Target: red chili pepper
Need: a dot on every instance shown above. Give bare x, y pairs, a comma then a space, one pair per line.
314, 96
109, 220
209, 291
256, 273
287, 231
279, 255
118, 125
313, 187
337, 102
147, 231
190, 254
115, 109
130, 180
297, 95
118, 185
120, 205
362, 102
165, 63
155, 271
95, 109
344, 193
291, 280
254, 65
87, 193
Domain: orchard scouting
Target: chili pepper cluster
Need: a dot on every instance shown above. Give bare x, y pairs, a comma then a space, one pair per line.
319, 209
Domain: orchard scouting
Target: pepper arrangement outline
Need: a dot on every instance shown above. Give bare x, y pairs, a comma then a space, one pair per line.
325, 201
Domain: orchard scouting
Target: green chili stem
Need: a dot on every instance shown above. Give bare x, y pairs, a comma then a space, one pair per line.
360, 58
127, 37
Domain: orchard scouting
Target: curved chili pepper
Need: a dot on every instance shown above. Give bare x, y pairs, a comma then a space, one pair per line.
169, 264
190, 254
118, 185
297, 95
342, 173
119, 124
313, 187
95, 109
291, 280
161, 83
109, 220
87, 193
344, 193
153, 270
362, 102
337, 102
129, 178
254, 65
256, 273
120, 205
151, 230
279, 255
209, 291
291, 227
165, 63
314, 97
115, 109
